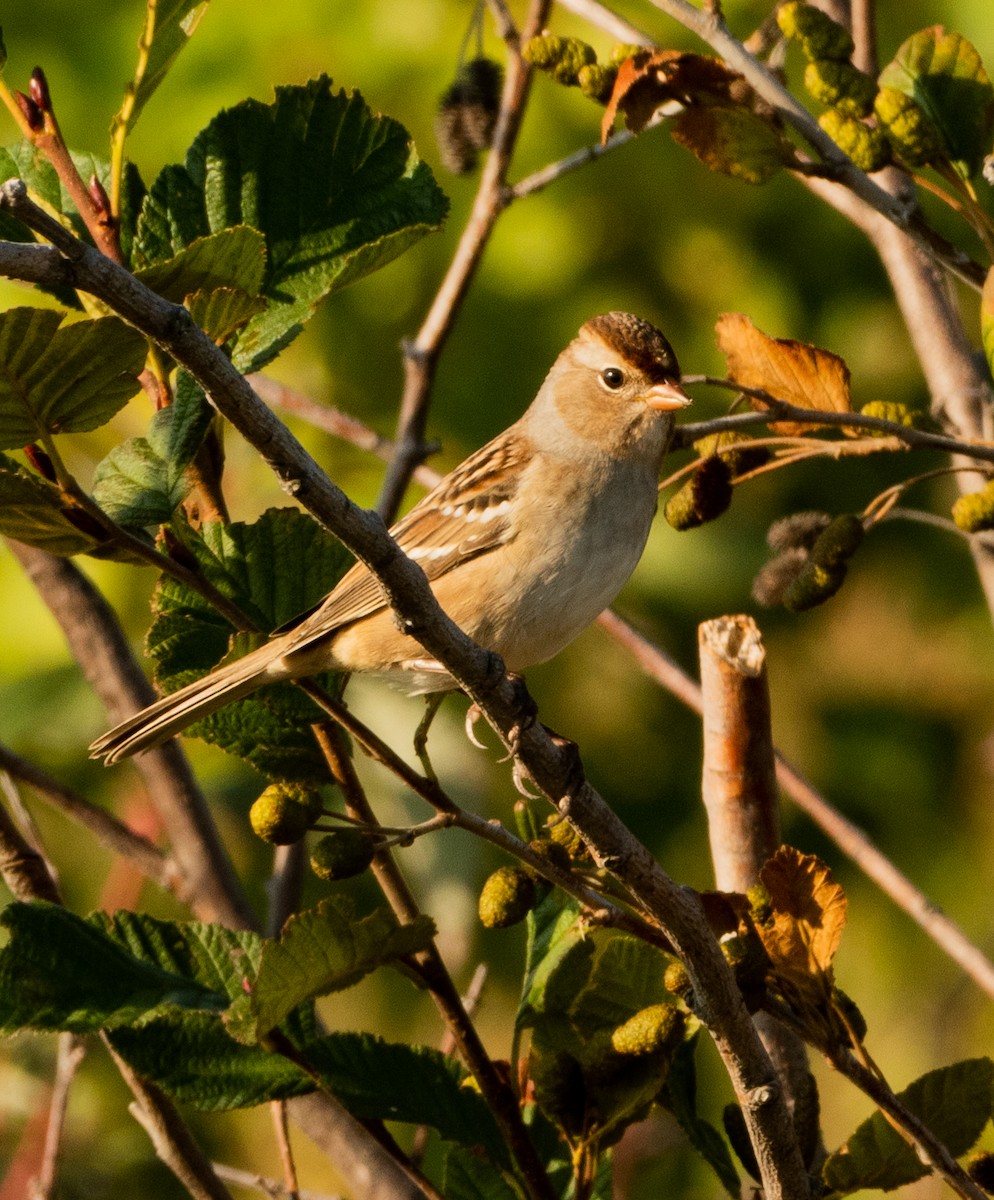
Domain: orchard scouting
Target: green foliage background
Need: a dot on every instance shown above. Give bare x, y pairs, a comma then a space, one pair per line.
883, 697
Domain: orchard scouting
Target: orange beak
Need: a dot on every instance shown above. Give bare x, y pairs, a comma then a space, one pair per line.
666, 397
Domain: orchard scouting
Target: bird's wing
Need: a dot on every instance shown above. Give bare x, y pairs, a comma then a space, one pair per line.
466, 515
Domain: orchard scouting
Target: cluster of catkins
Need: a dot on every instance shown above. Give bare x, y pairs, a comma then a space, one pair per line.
811, 555
285, 812
873, 125
467, 114
573, 63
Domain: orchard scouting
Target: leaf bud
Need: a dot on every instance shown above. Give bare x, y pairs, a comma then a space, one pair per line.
838, 84
839, 541
658, 1027
342, 854
913, 137
813, 586
32, 113
866, 145
705, 495
817, 34
284, 813
39, 90
98, 194
41, 462
737, 449
507, 897
974, 512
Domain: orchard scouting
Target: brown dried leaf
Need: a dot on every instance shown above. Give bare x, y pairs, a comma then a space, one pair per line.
810, 914
793, 371
645, 81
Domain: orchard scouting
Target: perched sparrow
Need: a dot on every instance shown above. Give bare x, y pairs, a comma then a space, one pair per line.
524, 543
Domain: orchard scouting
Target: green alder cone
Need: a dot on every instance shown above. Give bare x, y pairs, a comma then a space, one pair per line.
342, 854
284, 813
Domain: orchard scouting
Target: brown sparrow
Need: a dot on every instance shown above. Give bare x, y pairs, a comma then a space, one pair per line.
524, 543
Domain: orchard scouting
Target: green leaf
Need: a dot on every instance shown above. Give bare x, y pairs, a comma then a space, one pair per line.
321, 950
944, 75
142, 481
67, 380
169, 25
275, 569
191, 1056
680, 1097
234, 258
32, 510
61, 972
468, 1177
336, 191
954, 1102
555, 934
627, 976
223, 311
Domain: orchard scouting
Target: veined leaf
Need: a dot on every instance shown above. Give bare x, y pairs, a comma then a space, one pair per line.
142, 481
336, 191
321, 950
944, 75
61, 972
66, 380
954, 1102
32, 510
234, 258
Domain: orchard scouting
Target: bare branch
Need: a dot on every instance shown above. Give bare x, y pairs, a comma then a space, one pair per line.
71, 1052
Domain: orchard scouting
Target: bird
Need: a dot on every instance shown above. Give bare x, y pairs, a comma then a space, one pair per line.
524, 543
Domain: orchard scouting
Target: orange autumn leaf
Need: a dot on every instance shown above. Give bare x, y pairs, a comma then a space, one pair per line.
809, 915
793, 371
646, 81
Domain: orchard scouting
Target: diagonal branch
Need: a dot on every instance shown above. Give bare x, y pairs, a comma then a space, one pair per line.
553, 765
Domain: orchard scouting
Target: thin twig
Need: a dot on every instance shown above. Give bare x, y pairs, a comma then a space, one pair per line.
70, 1055
270, 1187
111, 832
422, 352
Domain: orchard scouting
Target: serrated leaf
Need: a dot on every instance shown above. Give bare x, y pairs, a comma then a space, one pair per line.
680, 1097
987, 318
809, 913
223, 311
378, 1080
67, 380
275, 569
627, 976
793, 371
321, 950
944, 75
954, 1102
734, 141
468, 1177
32, 511
337, 192
555, 932
234, 258
169, 25
60, 972
26, 162
142, 481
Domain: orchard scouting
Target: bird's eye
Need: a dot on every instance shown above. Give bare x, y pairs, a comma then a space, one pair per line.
613, 377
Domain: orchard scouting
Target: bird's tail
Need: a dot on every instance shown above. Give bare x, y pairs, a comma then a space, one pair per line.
166, 717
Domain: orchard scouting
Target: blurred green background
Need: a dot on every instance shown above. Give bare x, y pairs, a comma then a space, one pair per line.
883, 697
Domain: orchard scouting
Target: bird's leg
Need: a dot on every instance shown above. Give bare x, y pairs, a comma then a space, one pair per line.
433, 702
